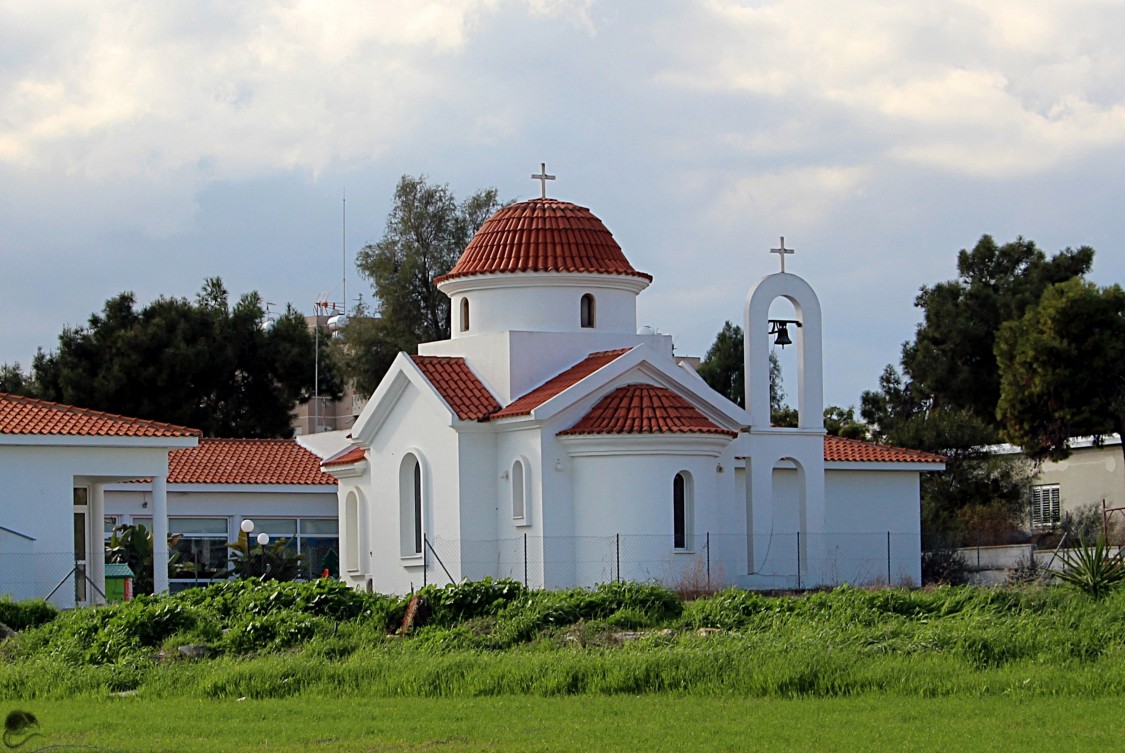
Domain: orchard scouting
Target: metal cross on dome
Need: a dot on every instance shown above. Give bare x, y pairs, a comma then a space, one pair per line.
543, 177
782, 252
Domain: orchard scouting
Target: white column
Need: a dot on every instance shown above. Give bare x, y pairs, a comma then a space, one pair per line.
95, 557
159, 534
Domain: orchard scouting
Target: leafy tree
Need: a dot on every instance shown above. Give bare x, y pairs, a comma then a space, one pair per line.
204, 364
724, 369
426, 232
366, 350
944, 400
14, 381
1060, 369
842, 422
951, 362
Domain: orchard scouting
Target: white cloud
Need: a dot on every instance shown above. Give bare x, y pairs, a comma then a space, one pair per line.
1000, 88
799, 197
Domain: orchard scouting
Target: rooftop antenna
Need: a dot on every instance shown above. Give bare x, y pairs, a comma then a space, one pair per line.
344, 250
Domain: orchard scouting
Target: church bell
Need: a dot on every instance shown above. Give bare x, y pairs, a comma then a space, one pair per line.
782, 335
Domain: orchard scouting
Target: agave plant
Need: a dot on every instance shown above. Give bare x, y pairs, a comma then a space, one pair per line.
1092, 568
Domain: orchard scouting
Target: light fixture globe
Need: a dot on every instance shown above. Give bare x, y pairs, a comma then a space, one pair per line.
247, 526
263, 539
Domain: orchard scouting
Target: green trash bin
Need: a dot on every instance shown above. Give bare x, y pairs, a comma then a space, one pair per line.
118, 582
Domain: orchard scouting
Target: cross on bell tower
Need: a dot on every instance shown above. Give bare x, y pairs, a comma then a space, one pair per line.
543, 177
782, 252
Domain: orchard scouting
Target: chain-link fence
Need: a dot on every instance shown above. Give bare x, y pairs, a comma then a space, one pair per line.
709, 561
47, 575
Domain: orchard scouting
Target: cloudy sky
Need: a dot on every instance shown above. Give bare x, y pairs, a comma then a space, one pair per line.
148, 146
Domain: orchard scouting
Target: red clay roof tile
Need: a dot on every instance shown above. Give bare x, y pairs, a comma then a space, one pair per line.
542, 235
349, 455
576, 373
458, 386
246, 461
28, 416
645, 409
839, 449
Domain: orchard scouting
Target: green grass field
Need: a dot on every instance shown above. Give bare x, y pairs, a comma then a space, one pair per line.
624, 667
648, 724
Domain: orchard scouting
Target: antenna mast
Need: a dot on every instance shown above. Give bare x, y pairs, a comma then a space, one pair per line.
344, 251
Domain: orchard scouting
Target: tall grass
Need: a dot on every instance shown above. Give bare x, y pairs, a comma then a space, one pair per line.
495, 638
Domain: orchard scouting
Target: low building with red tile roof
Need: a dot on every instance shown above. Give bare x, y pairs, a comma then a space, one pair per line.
552, 440
56, 461
215, 487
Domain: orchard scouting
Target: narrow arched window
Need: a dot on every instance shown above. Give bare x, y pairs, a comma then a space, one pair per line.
351, 532
518, 499
588, 310
681, 511
410, 498
417, 508
464, 314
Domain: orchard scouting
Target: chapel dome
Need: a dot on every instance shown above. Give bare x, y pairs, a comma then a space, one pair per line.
542, 235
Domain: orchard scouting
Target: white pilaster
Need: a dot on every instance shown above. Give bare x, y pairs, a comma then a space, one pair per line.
95, 557
159, 534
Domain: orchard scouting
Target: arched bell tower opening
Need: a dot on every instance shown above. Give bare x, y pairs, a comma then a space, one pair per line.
805, 333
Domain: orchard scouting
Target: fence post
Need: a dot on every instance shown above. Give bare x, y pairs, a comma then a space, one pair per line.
525, 560
708, 545
618, 538
798, 560
425, 559
888, 559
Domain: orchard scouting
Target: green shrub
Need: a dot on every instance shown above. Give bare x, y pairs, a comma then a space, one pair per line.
457, 602
25, 614
272, 632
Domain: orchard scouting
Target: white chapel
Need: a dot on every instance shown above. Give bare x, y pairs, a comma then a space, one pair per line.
551, 442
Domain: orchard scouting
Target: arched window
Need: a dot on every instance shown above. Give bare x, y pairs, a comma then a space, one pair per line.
588, 310
410, 506
518, 491
682, 512
464, 314
351, 532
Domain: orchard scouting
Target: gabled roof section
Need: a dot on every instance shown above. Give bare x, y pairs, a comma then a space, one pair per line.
352, 454
542, 235
523, 406
28, 416
246, 461
841, 450
645, 409
458, 386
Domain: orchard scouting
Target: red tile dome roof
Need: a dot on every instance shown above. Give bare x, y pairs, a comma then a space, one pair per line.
542, 235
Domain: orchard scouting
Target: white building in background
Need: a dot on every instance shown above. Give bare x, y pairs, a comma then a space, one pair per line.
1091, 477
549, 441
213, 487
56, 462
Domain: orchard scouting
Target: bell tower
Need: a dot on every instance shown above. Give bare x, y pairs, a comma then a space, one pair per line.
799, 448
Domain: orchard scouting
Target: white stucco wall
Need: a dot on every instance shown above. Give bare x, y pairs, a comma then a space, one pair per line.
417, 423
37, 500
864, 507
544, 302
1088, 476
